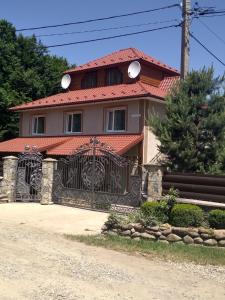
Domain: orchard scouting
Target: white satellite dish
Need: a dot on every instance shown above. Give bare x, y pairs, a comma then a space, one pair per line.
65, 82
134, 69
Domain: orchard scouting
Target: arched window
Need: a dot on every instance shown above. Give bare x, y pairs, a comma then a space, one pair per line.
114, 76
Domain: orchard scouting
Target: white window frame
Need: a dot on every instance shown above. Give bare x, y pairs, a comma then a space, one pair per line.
33, 123
67, 121
113, 109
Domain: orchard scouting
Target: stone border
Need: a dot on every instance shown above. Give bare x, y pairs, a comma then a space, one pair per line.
168, 234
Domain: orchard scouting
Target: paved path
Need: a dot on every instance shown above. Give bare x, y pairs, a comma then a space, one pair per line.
36, 263
54, 218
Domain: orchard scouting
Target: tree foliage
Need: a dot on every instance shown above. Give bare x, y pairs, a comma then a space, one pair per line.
27, 72
192, 134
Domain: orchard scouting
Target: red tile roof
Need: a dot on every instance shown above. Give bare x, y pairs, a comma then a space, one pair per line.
66, 145
42, 143
124, 55
121, 91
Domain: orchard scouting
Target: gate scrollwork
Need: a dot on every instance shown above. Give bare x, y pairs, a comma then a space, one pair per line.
97, 177
29, 175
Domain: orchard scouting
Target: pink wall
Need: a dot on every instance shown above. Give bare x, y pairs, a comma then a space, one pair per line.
93, 118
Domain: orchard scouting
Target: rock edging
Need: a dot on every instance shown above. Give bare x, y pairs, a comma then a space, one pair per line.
168, 234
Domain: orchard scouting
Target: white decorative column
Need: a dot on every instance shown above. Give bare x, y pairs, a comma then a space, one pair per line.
48, 167
9, 177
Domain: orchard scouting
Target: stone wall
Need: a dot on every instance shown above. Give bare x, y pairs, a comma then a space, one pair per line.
169, 234
8, 181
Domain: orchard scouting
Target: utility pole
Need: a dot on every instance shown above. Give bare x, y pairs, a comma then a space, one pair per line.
185, 48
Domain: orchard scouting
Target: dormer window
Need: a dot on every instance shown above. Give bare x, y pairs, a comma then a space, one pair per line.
38, 126
114, 76
89, 80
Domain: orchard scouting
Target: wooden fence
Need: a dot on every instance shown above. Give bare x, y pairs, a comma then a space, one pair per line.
196, 186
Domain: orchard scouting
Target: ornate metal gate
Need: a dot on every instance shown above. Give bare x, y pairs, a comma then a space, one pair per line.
95, 176
29, 175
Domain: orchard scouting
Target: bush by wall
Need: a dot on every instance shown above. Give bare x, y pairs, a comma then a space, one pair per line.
217, 219
155, 211
185, 215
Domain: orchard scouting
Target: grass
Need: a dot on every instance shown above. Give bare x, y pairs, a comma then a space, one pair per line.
173, 252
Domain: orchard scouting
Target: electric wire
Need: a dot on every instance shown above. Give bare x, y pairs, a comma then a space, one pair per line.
99, 19
209, 51
106, 29
113, 36
212, 31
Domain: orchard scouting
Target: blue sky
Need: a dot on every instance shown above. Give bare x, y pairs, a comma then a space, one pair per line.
163, 45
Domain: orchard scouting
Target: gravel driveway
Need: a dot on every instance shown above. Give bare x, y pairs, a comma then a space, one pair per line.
38, 263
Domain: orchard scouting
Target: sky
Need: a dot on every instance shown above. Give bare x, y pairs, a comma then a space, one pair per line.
163, 45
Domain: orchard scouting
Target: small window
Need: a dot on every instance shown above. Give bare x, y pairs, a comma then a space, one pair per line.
89, 80
73, 122
113, 76
116, 119
38, 125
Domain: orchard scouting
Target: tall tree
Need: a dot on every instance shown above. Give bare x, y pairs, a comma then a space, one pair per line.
27, 72
192, 134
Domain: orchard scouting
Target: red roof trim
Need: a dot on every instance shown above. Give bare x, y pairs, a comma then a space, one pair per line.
122, 56
57, 146
128, 147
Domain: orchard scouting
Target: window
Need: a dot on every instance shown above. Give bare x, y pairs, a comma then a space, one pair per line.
89, 80
73, 122
116, 119
38, 125
113, 76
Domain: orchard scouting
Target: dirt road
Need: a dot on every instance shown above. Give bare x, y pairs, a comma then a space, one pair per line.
37, 263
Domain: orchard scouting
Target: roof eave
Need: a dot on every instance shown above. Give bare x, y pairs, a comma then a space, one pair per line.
84, 102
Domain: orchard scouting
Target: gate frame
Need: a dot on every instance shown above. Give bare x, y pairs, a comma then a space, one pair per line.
29, 191
64, 195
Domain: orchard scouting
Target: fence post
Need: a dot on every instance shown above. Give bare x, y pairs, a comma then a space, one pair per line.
48, 167
155, 175
9, 177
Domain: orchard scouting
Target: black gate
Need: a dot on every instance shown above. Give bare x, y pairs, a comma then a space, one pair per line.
29, 175
94, 176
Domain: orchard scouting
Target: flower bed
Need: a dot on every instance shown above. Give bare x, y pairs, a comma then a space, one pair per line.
166, 233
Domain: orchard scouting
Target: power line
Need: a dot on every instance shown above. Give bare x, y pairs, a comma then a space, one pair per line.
100, 19
105, 29
113, 36
209, 51
212, 16
212, 31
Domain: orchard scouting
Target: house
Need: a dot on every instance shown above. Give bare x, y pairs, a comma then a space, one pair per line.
103, 101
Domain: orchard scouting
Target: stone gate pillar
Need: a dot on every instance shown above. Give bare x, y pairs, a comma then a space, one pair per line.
48, 167
155, 175
9, 177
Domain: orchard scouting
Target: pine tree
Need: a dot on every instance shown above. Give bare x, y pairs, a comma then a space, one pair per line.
192, 134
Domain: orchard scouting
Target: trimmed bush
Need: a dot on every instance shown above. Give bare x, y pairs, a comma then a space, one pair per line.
155, 211
217, 219
184, 215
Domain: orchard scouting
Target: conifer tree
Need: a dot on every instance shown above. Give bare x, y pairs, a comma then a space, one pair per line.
27, 72
192, 134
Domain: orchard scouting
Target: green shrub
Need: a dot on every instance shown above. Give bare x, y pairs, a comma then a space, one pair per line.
217, 219
155, 211
185, 215
114, 219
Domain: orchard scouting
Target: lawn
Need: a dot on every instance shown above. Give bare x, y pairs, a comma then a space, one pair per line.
173, 252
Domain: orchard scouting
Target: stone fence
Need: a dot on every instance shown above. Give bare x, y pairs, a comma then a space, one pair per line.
169, 234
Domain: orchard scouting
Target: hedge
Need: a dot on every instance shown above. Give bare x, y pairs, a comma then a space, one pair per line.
185, 215
217, 219
156, 210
